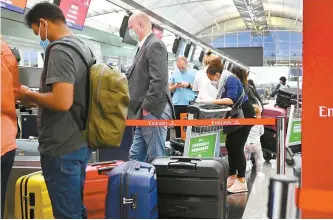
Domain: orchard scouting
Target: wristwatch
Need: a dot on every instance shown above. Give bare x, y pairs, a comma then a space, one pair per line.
189, 86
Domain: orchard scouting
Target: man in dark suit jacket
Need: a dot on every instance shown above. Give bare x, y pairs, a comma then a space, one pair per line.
148, 86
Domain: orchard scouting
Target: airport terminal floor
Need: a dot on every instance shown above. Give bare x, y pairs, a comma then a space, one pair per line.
173, 109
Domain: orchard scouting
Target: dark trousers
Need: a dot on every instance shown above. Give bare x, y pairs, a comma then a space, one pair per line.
7, 161
178, 110
235, 143
64, 177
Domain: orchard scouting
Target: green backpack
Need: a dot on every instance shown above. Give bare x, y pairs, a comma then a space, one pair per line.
108, 102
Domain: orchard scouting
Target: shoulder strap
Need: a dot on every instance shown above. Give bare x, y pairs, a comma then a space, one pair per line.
239, 101
222, 88
72, 44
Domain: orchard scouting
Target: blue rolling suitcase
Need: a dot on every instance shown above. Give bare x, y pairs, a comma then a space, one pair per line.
132, 192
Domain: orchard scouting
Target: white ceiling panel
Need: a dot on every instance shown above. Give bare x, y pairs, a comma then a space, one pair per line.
194, 16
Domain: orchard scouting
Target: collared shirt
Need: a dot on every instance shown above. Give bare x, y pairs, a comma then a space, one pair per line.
183, 96
10, 86
144, 39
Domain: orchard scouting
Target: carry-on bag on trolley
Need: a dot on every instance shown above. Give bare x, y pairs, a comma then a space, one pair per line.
286, 95
207, 111
170, 151
32, 200
132, 192
269, 138
191, 187
177, 144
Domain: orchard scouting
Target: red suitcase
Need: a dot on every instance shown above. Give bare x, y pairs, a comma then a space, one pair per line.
95, 187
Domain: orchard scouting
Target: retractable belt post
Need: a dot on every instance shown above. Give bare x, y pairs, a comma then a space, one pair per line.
280, 145
282, 197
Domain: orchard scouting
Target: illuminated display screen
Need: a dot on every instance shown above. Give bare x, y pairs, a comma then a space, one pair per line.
75, 12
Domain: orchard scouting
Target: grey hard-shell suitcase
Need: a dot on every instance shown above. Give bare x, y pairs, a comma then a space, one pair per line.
191, 187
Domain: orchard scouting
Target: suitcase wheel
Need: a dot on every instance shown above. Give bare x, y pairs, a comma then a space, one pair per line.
290, 162
267, 156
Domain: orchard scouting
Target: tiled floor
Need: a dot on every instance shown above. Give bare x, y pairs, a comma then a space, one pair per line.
238, 202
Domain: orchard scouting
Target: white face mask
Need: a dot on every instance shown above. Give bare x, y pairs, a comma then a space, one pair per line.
133, 35
214, 83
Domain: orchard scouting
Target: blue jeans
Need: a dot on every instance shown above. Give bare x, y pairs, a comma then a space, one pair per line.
149, 142
64, 177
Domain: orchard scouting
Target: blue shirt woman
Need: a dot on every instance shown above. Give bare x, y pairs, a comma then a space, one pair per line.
233, 93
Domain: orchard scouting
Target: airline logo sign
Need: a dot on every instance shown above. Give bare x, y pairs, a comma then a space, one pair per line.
325, 112
14, 5
75, 12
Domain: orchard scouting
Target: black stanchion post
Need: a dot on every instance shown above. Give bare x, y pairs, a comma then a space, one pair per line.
280, 145
282, 197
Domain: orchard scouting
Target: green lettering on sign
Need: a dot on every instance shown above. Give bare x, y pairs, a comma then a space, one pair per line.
296, 132
202, 146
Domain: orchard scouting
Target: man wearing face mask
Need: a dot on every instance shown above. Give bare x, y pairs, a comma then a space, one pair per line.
181, 85
148, 87
62, 112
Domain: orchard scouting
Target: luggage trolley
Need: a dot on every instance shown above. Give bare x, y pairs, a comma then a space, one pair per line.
204, 111
291, 148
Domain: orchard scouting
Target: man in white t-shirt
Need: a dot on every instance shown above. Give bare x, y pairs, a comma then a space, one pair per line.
202, 85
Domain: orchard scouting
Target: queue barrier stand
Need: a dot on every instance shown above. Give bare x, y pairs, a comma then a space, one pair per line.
280, 123
282, 197
281, 145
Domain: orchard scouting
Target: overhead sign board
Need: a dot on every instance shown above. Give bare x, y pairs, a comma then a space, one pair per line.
75, 12
14, 5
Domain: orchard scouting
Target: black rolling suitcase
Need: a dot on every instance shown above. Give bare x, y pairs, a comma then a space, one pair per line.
191, 187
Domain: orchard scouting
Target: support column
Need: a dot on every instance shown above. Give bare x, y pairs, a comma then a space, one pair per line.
316, 196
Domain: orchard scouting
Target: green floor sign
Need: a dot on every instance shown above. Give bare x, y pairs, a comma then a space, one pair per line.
202, 146
295, 132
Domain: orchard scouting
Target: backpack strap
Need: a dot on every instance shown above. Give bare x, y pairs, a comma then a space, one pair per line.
68, 42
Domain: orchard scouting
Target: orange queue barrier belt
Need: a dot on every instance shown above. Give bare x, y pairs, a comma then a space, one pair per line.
202, 122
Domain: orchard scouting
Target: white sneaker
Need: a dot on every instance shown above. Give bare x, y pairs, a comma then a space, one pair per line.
248, 165
230, 181
260, 174
238, 187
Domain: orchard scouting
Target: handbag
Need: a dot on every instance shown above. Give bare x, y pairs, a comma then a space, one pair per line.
236, 109
236, 112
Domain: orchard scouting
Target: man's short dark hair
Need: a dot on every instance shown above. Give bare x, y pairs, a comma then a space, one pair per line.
283, 79
44, 10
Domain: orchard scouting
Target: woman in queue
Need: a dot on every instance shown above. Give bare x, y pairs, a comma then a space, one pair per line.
233, 95
202, 85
